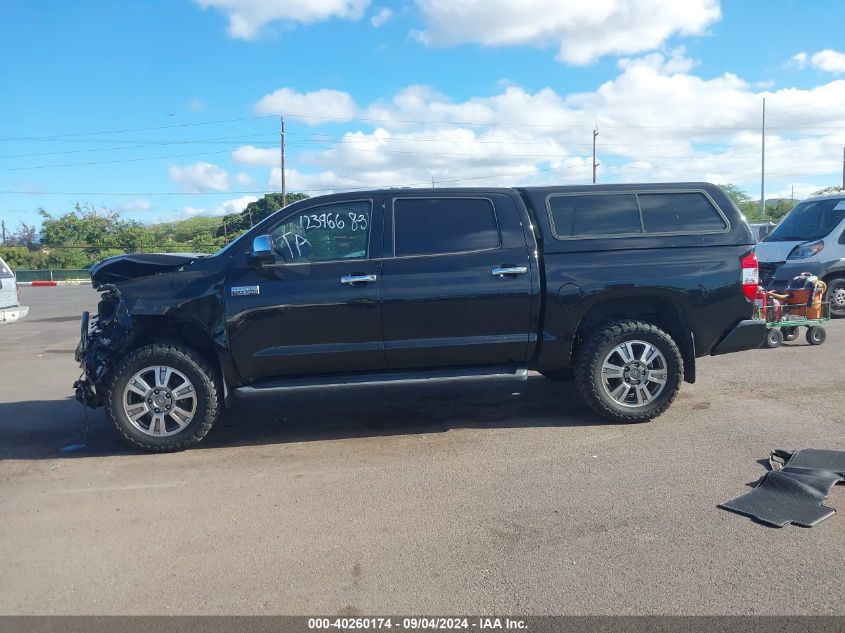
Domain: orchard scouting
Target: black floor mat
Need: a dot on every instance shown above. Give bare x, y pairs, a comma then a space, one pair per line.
795, 490
810, 458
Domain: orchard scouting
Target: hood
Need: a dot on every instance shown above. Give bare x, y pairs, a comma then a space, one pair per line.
122, 267
775, 251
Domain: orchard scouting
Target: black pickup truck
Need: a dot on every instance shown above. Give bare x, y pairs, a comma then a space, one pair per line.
621, 286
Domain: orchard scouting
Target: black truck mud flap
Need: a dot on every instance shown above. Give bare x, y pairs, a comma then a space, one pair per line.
795, 490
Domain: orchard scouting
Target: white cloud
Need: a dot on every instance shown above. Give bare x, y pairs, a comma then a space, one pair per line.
676, 62
828, 60
236, 205
583, 30
256, 156
244, 179
799, 190
136, 205
199, 177
658, 121
798, 60
195, 105
381, 17
248, 17
331, 104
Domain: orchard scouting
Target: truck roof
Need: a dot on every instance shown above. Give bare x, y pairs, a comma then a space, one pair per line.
651, 186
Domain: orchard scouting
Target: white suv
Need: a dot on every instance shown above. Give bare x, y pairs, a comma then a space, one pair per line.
10, 308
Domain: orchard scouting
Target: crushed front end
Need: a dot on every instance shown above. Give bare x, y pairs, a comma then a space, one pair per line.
102, 339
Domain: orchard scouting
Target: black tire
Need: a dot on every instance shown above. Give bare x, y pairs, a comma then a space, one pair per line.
774, 338
789, 333
596, 349
816, 335
836, 296
562, 374
191, 365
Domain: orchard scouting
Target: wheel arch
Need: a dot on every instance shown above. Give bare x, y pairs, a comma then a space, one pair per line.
660, 309
184, 332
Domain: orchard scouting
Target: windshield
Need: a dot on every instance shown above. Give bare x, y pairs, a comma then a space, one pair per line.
228, 246
810, 220
266, 221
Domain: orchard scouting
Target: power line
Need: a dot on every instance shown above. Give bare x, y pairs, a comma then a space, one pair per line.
160, 127
122, 160
219, 141
148, 193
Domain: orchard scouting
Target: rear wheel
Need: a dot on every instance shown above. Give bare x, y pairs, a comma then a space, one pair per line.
163, 398
816, 335
774, 338
836, 296
789, 333
629, 371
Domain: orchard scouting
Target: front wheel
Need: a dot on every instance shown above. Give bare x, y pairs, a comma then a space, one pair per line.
629, 371
163, 398
836, 296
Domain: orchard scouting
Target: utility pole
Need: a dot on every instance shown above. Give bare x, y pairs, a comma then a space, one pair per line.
282, 156
3, 223
763, 166
225, 230
595, 163
843, 176
432, 181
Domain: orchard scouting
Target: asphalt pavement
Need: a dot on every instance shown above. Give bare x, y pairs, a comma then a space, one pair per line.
464, 499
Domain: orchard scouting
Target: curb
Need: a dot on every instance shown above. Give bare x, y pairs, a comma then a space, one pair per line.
51, 284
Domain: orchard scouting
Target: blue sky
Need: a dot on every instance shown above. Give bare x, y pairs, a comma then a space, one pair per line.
164, 110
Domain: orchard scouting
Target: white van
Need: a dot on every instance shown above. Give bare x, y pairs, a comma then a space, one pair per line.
10, 308
810, 238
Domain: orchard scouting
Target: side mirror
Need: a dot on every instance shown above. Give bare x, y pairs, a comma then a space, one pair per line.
262, 249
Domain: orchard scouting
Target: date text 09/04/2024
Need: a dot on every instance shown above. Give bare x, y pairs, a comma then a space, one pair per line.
417, 623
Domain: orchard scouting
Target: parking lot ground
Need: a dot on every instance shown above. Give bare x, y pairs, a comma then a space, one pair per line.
498, 498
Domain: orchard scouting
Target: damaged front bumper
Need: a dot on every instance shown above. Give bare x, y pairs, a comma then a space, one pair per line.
100, 345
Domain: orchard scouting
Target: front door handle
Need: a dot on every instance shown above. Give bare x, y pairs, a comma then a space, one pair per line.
501, 271
358, 279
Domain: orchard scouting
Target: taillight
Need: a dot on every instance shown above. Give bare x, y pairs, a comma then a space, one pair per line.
750, 276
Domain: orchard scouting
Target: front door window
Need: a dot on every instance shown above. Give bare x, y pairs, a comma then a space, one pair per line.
328, 233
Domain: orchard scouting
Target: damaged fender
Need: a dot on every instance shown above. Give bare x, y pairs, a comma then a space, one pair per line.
147, 298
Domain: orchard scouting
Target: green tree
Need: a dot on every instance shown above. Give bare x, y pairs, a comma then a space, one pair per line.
25, 236
257, 211
749, 208
777, 211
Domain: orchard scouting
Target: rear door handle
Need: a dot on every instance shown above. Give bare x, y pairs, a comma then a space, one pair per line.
358, 279
501, 271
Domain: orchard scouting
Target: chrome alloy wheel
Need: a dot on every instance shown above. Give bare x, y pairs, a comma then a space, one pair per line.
634, 373
159, 401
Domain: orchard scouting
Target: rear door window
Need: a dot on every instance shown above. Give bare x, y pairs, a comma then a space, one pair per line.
434, 226
679, 213
595, 215
5, 271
